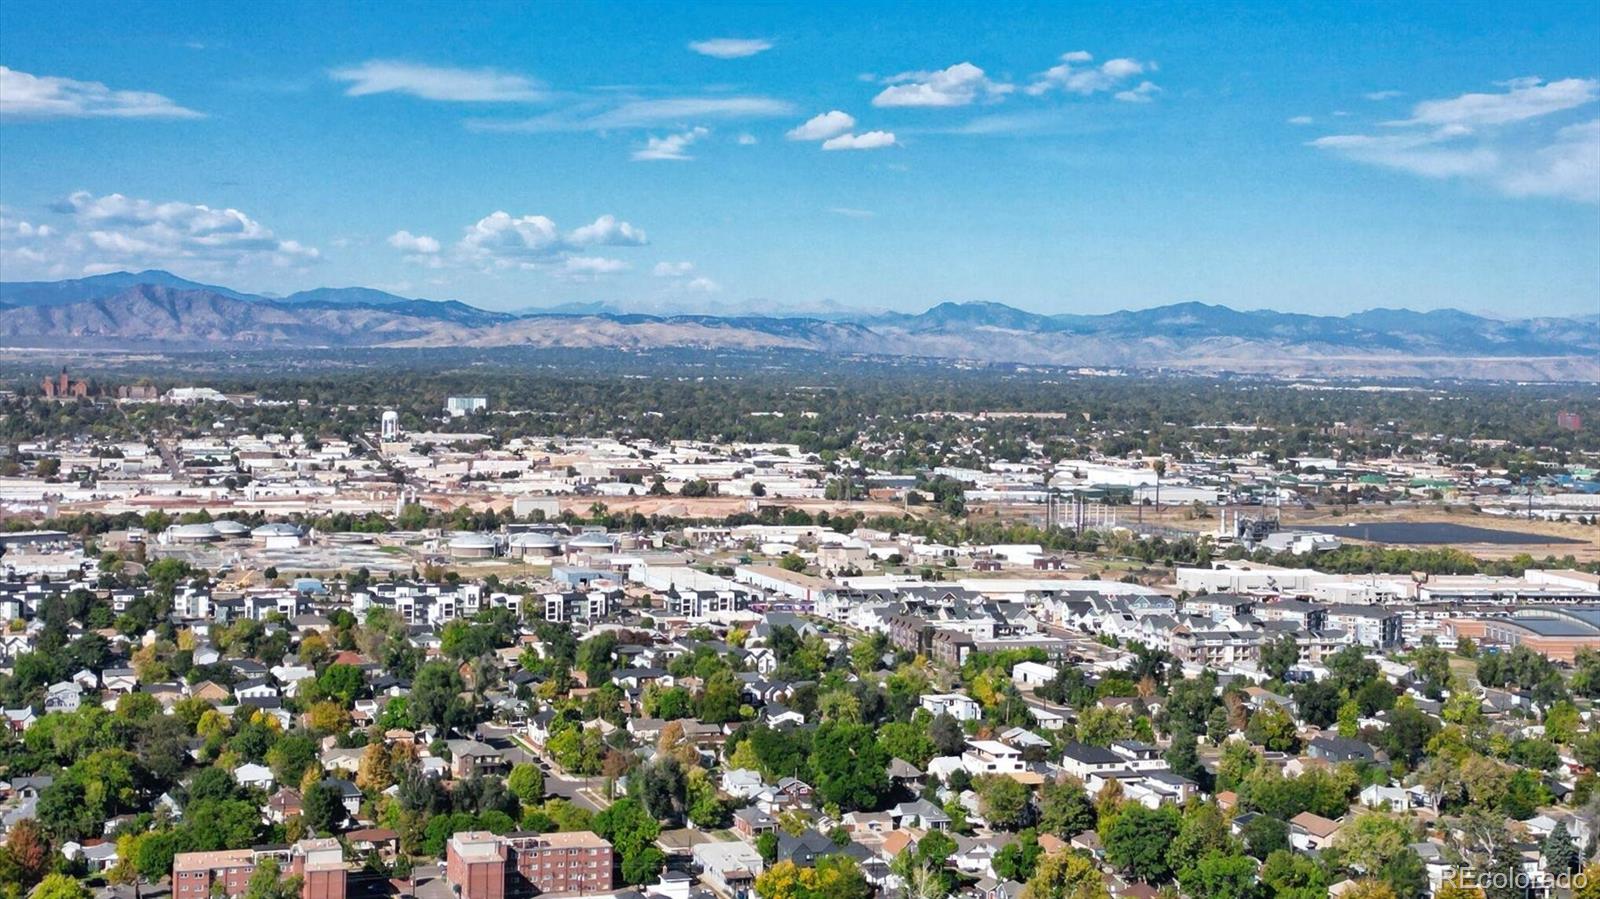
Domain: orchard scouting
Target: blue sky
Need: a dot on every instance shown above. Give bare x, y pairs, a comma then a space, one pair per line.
757, 157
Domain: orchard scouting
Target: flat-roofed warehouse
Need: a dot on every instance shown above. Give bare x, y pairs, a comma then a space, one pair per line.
1556, 632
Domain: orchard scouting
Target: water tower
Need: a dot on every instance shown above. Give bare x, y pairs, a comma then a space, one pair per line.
390, 430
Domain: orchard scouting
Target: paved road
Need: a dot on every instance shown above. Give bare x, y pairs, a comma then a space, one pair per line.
170, 458
587, 792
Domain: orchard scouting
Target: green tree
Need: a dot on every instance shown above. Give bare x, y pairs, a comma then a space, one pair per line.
1003, 801
1137, 839
1279, 655
323, 808
268, 882
1221, 876
1560, 852
720, 702
527, 782
60, 886
1065, 808
341, 683
435, 695
1290, 875
1264, 835
1271, 726
632, 832
850, 768
597, 656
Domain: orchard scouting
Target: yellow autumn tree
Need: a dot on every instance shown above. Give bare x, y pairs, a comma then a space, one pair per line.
1586, 883
1368, 888
1066, 875
376, 771
1454, 888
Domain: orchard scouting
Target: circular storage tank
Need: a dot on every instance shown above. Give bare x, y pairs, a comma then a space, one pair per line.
193, 533
591, 543
468, 545
534, 544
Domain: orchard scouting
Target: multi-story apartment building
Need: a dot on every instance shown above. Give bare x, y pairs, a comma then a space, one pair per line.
1219, 606
1215, 648
195, 873
1306, 616
483, 865
205, 875
586, 606
1372, 626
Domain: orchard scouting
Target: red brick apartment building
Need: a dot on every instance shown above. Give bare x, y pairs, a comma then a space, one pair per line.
320, 862
482, 865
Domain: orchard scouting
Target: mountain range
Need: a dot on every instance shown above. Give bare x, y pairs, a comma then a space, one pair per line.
161, 311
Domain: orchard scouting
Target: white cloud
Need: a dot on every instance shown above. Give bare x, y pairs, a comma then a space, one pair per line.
1144, 93
852, 213
1075, 74
746, 139
500, 241
1525, 98
591, 266
1430, 154
958, 85
673, 147
25, 96
607, 231
1568, 168
419, 244
1498, 140
823, 126
683, 278
112, 232
1301, 120
381, 76
730, 47
418, 248
870, 140
1379, 96
642, 114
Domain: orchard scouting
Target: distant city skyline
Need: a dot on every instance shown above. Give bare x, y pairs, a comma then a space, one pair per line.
1317, 158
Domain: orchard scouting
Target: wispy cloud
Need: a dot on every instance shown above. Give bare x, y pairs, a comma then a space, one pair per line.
1301, 120
382, 76
1497, 139
634, 114
25, 96
730, 47
672, 148
1380, 96
851, 212
681, 277
1525, 98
